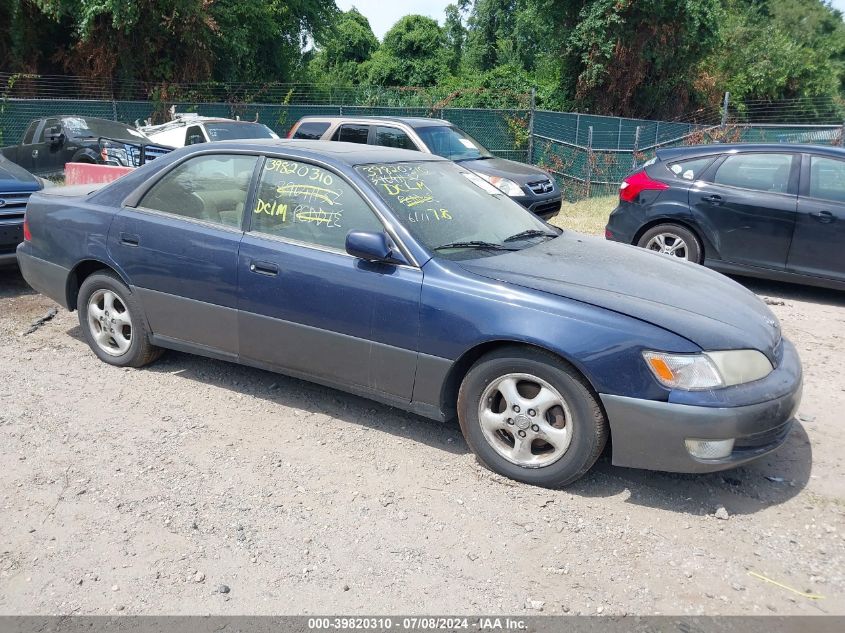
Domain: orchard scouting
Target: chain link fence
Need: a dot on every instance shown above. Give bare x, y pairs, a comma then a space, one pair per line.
588, 154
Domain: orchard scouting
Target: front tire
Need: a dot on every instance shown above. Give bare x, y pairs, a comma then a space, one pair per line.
530, 416
112, 322
673, 240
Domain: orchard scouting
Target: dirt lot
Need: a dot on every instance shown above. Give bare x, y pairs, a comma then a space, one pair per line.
148, 491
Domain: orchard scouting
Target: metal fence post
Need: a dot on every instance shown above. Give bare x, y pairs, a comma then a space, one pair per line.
577, 128
531, 125
589, 159
725, 109
114, 109
842, 135
636, 147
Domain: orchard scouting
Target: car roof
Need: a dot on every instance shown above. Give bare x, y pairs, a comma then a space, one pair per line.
349, 153
724, 148
412, 121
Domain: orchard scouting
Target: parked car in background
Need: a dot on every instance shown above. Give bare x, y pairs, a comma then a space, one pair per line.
190, 129
50, 143
530, 186
763, 210
16, 185
409, 279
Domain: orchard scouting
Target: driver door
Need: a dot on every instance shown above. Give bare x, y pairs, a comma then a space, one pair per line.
308, 308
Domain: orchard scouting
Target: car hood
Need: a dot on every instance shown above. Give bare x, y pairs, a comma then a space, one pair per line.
14, 178
520, 173
707, 308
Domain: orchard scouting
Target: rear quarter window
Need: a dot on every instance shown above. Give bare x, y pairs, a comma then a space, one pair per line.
690, 169
311, 130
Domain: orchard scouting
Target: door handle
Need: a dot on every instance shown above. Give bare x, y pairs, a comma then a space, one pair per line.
264, 268
129, 239
714, 199
825, 217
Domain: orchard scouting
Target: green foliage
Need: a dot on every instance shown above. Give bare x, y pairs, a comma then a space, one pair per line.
413, 54
780, 49
343, 48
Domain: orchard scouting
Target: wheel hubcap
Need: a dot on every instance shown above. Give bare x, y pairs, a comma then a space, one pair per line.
525, 420
668, 244
109, 322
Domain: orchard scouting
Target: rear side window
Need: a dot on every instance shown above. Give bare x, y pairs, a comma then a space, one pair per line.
30, 133
690, 169
827, 179
352, 133
309, 204
393, 137
760, 172
311, 130
194, 135
210, 188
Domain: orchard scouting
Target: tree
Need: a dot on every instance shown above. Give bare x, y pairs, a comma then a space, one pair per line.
630, 58
780, 49
413, 54
343, 47
455, 33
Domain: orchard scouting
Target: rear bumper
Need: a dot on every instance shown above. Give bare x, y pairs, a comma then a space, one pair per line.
651, 435
47, 278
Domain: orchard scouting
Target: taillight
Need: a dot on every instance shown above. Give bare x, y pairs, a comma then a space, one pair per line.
27, 236
636, 183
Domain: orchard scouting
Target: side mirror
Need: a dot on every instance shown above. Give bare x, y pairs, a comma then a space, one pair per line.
373, 246
54, 135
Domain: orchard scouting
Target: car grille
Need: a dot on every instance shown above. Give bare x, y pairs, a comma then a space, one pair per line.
546, 207
13, 205
150, 152
541, 186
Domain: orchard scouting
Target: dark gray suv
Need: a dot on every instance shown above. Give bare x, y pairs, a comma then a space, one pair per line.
528, 185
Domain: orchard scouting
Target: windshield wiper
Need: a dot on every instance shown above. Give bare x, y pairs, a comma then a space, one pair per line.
529, 233
475, 244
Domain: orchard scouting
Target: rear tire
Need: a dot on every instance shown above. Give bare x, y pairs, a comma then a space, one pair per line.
673, 240
529, 416
112, 322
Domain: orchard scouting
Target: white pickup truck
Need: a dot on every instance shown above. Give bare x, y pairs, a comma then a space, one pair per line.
189, 129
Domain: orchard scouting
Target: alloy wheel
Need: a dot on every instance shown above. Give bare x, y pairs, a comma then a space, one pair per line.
110, 322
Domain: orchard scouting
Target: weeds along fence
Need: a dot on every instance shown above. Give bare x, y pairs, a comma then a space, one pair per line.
588, 154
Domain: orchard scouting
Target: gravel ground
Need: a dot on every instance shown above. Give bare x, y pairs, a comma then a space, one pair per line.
195, 486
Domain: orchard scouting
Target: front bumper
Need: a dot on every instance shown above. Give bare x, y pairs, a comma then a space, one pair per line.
651, 435
544, 206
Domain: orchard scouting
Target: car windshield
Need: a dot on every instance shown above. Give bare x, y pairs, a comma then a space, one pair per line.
454, 212
451, 142
232, 131
80, 127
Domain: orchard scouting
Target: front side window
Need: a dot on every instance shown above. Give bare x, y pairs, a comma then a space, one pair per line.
352, 133
827, 178
393, 137
760, 172
49, 124
692, 168
309, 204
453, 211
210, 188
451, 142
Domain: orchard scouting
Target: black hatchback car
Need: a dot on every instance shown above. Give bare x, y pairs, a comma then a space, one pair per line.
764, 210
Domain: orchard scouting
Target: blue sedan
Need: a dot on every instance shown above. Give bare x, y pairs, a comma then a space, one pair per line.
408, 279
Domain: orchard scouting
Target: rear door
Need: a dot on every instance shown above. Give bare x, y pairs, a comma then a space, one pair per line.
748, 201
819, 237
179, 248
352, 133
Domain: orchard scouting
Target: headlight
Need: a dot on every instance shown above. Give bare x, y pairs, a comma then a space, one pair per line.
506, 186
710, 370
117, 155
